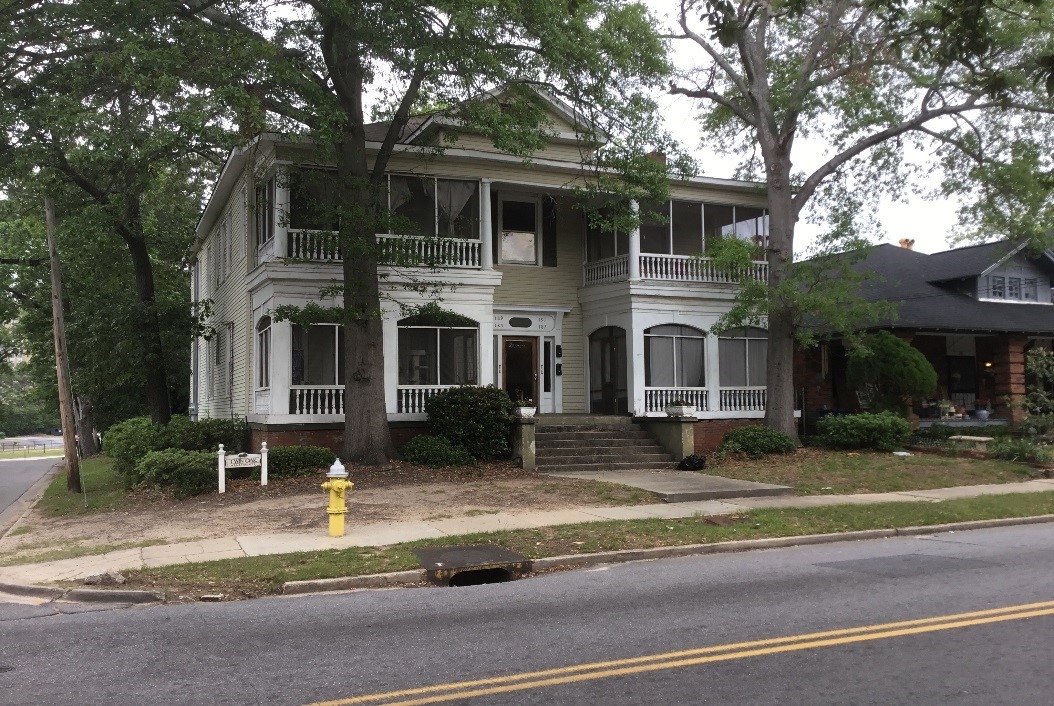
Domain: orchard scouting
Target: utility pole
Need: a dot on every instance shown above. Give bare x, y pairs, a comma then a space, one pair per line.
62, 363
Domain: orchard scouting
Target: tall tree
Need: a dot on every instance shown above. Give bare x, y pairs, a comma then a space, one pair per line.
869, 79
328, 59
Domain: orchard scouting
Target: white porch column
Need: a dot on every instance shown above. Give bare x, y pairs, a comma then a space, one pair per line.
390, 331
487, 373
281, 214
634, 252
486, 226
281, 365
635, 353
713, 373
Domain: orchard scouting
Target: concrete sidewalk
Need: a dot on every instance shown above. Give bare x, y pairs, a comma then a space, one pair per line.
381, 534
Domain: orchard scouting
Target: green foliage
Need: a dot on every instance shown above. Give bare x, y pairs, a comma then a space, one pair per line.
187, 473
23, 409
478, 419
884, 431
1039, 375
129, 441
1037, 425
757, 440
291, 461
436, 451
1020, 450
887, 370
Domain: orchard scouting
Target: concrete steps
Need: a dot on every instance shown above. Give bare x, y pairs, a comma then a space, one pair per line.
590, 443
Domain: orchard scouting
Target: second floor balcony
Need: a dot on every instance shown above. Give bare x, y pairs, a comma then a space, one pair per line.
668, 268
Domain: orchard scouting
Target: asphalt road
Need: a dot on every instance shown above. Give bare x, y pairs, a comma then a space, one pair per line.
300, 650
16, 477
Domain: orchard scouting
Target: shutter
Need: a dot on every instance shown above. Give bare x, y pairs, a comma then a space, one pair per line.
549, 231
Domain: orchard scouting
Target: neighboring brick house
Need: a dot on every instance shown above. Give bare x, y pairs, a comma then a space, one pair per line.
577, 319
973, 312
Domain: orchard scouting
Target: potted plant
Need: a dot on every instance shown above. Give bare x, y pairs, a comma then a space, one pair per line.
680, 408
983, 408
523, 407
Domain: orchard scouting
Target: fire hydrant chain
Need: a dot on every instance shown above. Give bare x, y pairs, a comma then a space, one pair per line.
337, 486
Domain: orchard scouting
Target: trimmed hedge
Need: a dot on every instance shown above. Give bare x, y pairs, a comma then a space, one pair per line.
187, 473
129, 441
757, 440
436, 451
882, 431
478, 419
291, 461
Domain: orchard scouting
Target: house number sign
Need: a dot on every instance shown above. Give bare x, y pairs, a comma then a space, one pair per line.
535, 323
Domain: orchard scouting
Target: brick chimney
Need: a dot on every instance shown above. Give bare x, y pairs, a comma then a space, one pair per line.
907, 243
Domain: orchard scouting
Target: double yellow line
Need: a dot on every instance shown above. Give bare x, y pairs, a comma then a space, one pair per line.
686, 658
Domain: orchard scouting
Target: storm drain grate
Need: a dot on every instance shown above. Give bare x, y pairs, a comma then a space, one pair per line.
471, 564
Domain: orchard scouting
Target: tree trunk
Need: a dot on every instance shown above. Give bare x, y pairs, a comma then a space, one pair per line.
84, 419
62, 366
779, 405
367, 438
151, 350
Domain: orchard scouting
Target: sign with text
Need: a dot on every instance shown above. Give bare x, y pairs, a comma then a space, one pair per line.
241, 460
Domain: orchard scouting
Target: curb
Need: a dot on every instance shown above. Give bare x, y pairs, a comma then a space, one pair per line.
29, 589
628, 555
102, 595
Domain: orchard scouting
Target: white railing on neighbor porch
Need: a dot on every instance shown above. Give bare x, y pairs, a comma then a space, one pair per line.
687, 268
432, 252
314, 245
657, 398
316, 399
412, 398
743, 399
670, 268
610, 269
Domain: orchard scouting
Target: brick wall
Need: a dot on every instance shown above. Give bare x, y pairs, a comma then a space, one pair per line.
330, 437
710, 433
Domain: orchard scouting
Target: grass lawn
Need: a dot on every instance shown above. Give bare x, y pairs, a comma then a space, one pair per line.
821, 472
254, 576
30, 453
103, 490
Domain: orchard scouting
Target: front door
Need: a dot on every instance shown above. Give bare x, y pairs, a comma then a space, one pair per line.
519, 366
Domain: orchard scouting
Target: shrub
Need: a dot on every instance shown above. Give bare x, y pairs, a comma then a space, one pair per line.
478, 419
887, 370
757, 440
129, 441
290, 461
1037, 425
883, 431
1020, 450
436, 451
186, 472
206, 434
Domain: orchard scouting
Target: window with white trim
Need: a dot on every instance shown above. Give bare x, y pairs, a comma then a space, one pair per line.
1030, 290
263, 353
686, 227
265, 202
674, 356
743, 356
438, 350
431, 206
317, 355
997, 287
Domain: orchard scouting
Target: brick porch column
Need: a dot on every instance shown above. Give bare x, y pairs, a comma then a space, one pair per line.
1008, 368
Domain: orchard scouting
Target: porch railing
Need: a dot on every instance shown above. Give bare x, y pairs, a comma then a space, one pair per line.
743, 399
669, 268
316, 399
412, 251
314, 245
657, 398
611, 269
412, 398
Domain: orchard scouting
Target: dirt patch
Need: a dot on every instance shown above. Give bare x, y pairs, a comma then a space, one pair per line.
393, 493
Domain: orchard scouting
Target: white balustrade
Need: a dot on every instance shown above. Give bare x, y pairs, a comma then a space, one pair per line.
314, 245
316, 399
743, 399
688, 268
611, 269
411, 251
412, 398
656, 399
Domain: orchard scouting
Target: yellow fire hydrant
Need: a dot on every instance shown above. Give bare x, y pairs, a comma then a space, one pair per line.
337, 485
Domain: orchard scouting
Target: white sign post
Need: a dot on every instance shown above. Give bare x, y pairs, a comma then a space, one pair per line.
242, 460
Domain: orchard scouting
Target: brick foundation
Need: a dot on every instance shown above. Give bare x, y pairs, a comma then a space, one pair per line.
709, 433
331, 437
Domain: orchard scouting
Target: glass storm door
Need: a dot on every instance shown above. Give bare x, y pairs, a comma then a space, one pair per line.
607, 371
520, 368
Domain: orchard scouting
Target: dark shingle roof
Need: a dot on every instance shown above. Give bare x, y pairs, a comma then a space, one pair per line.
375, 132
907, 279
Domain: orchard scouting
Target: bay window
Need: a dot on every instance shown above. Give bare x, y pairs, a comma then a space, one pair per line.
743, 356
674, 357
318, 355
438, 350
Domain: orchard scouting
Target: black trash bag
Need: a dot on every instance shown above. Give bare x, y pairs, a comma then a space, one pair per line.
692, 463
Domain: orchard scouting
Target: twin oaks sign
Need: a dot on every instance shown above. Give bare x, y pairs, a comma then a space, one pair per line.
242, 460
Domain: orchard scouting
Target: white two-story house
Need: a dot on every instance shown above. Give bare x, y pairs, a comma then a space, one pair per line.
576, 319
